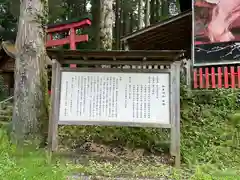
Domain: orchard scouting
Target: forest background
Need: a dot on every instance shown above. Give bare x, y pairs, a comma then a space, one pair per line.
210, 138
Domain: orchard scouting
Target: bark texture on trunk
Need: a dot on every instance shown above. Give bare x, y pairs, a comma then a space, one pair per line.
152, 11
158, 8
132, 19
95, 10
126, 22
30, 111
106, 24
122, 18
118, 23
147, 13
165, 9
140, 14
84, 7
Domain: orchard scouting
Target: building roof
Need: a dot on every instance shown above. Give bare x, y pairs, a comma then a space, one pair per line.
69, 21
172, 34
8, 48
98, 56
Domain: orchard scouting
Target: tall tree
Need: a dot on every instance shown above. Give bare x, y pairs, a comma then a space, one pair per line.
74, 8
132, 20
30, 94
127, 8
7, 21
10, 11
95, 11
126, 22
165, 8
147, 13
152, 11
122, 10
140, 14
159, 9
106, 24
118, 22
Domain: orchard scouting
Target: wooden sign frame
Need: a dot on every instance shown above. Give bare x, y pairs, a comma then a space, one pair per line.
173, 70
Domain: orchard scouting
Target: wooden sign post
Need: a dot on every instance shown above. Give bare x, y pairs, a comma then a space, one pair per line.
136, 88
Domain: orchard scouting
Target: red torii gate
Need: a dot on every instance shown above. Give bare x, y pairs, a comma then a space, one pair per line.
72, 38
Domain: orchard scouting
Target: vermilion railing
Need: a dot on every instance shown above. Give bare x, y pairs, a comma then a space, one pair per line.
216, 77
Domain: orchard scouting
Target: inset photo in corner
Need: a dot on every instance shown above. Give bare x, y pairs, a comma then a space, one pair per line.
216, 31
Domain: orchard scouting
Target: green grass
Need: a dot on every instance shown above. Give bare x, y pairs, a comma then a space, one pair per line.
210, 139
210, 146
146, 169
16, 164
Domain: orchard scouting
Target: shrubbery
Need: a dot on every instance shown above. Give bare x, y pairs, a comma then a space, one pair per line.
3, 89
210, 137
27, 163
210, 134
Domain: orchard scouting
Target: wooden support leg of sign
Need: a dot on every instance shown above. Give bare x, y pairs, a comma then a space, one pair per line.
53, 116
175, 113
188, 73
178, 116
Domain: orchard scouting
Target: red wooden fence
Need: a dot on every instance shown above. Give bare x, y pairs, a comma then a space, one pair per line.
216, 77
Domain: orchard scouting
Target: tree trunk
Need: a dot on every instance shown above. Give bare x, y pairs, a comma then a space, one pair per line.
158, 9
106, 24
152, 11
117, 23
121, 22
30, 112
127, 28
140, 14
147, 13
132, 25
84, 7
96, 23
126, 21
165, 9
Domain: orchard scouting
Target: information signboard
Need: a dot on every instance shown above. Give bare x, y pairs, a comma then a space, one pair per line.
141, 98
216, 32
145, 94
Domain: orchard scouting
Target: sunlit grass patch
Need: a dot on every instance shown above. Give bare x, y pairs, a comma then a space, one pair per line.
27, 164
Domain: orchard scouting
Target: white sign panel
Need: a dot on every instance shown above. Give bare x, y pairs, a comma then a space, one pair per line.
115, 97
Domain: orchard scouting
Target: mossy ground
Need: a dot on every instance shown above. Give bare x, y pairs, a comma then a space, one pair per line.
210, 147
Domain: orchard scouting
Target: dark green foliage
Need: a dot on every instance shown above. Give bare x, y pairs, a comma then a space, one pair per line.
27, 163
208, 134
7, 21
5, 112
7, 127
3, 89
